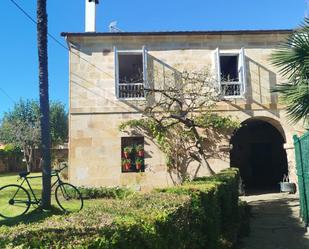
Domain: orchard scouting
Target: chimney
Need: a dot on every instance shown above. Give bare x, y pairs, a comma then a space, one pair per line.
90, 15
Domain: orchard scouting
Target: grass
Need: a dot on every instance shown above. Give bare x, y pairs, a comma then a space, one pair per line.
12, 178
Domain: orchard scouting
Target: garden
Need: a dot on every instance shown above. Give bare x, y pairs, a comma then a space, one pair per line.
204, 213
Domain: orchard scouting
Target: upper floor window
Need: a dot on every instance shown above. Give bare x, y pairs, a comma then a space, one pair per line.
131, 76
231, 73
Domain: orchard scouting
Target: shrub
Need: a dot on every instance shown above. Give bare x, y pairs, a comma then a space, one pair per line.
199, 214
105, 192
142, 221
214, 208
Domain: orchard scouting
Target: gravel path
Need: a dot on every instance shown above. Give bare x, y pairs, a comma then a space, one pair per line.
275, 223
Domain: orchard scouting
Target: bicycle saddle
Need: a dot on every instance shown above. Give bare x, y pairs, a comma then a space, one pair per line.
24, 173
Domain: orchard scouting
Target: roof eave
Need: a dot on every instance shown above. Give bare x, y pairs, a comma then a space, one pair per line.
164, 33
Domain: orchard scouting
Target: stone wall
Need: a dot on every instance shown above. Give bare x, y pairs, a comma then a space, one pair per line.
95, 112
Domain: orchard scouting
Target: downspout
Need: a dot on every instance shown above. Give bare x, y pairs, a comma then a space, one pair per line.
69, 108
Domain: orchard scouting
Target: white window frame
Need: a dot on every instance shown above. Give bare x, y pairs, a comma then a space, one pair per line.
241, 72
144, 54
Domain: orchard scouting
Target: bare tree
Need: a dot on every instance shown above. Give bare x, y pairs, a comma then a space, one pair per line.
180, 115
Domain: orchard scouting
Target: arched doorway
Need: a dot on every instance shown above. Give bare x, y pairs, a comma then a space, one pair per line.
257, 150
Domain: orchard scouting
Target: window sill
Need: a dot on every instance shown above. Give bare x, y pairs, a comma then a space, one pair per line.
234, 97
128, 99
130, 172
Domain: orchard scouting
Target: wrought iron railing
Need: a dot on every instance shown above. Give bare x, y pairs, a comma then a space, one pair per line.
131, 90
231, 89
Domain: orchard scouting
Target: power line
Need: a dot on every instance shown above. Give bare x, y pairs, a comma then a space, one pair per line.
55, 39
7, 95
58, 42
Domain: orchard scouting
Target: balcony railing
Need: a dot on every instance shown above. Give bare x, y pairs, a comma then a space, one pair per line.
231, 89
131, 90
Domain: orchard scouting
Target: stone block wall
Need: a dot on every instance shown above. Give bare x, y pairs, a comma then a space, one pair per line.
95, 111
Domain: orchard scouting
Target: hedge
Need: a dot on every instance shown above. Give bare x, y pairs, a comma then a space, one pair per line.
215, 209
199, 214
105, 192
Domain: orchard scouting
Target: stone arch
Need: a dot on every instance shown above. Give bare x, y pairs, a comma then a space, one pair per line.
258, 151
275, 123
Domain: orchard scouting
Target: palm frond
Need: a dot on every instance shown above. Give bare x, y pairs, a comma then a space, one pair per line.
292, 57
296, 98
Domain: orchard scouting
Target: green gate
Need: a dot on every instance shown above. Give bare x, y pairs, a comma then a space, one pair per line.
301, 145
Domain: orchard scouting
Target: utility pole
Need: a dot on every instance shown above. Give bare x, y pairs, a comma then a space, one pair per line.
44, 102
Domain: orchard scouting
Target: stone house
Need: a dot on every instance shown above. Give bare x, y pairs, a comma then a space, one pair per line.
107, 75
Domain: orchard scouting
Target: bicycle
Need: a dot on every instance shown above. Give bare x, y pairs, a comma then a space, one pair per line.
15, 200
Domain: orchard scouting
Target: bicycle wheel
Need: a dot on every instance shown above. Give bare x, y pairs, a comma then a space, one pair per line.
14, 201
68, 197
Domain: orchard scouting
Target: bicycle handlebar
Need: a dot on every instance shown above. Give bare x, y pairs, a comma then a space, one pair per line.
59, 170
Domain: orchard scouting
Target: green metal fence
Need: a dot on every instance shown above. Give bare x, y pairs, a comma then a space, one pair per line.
301, 145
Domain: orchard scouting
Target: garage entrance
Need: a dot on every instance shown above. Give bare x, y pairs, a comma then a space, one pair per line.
257, 150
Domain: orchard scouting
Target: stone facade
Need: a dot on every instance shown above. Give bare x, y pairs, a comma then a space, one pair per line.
96, 113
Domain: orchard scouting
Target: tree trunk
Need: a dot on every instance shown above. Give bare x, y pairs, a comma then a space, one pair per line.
201, 151
28, 157
44, 101
198, 141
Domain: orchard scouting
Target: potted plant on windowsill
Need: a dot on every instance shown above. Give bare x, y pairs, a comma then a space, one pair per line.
138, 163
126, 164
127, 151
140, 150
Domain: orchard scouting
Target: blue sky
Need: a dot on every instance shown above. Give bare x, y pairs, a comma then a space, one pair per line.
19, 67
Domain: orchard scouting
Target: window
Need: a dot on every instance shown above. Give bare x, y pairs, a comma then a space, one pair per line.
231, 73
229, 68
132, 154
131, 73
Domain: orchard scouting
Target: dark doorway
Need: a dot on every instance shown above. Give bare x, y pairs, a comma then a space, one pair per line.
257, 150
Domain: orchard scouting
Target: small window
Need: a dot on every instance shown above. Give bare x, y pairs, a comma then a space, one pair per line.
132, 154
130, 73
231, 73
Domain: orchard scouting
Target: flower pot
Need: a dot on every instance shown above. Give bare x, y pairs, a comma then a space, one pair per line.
126, 154
138, 166
288, 187
126, 166
140, 153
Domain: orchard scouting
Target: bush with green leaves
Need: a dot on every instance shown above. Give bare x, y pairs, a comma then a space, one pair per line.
105, 192
196, 215
214, 207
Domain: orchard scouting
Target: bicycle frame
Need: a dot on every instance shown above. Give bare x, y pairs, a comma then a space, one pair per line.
25, 179
67, 196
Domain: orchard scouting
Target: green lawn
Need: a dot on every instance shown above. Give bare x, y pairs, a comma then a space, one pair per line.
13, 178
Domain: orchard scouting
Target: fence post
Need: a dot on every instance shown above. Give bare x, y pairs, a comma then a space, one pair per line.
297, 140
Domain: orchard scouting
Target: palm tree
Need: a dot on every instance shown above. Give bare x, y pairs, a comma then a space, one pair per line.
293, 61
44, 101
